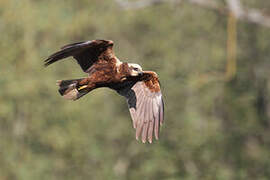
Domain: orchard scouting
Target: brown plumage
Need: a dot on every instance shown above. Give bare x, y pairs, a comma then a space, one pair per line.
104, 69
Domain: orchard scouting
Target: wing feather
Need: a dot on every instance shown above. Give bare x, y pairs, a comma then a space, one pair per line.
140, 117
86, 53
156, 116
157, 126
146, 107
145, 120
161, 113
133, 116
150, 121
152, 124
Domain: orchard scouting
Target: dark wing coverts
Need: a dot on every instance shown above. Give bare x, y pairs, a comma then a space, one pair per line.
86, 53
146, 107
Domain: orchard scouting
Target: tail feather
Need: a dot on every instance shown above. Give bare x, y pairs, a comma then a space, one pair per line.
70, 89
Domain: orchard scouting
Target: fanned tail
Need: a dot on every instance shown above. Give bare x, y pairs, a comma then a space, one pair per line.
71, 89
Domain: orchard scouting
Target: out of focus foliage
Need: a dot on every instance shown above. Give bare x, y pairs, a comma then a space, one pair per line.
214, 128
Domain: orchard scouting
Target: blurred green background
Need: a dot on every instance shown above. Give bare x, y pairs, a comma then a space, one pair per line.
215, 77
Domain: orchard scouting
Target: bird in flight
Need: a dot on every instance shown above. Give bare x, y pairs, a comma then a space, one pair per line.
140, 88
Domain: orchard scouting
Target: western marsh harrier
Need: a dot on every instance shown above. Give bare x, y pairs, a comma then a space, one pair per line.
104, 69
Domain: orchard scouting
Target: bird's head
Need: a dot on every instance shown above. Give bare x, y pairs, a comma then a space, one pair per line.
135, 69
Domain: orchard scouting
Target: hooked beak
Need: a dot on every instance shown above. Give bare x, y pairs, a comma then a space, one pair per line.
140, 73
136, 73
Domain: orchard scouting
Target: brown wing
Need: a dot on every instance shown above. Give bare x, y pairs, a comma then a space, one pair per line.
86, 53
146, 106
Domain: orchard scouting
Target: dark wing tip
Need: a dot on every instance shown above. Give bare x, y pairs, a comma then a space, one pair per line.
46, 64
75, 48
48, 61
53, 58
66, 51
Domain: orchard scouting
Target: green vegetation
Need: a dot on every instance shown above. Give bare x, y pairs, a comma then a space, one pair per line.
216, 126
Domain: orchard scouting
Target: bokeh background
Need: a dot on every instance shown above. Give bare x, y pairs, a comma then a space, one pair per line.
213, 65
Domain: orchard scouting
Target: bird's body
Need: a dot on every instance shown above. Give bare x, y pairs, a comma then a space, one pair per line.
104, 69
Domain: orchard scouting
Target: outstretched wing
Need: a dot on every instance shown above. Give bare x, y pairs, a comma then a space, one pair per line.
146, 106
86, 53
